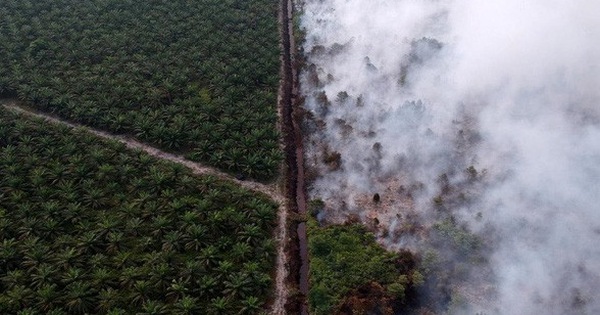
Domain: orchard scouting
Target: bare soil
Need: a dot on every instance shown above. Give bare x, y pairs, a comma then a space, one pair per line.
295, 191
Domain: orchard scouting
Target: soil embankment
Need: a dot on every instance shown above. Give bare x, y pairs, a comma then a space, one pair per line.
294, 156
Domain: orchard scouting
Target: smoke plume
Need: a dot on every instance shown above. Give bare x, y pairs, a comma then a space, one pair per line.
484, 114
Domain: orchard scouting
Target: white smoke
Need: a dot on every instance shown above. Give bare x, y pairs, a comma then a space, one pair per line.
509, 86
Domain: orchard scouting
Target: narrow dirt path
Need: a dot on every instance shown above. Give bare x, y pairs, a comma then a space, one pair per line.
197, 168
290, 127
272, 190
282, 273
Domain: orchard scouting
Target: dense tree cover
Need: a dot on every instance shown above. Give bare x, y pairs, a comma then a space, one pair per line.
89, 226
344, 258
192, 76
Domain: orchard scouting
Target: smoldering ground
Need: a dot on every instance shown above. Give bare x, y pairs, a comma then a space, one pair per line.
473, 117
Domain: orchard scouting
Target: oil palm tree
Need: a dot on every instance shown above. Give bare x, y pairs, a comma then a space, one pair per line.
35, 256
8, 250
43, 275
209, 255
18, 297
141, 292
160, 276
103, 277
153, 307
79, 298
108, 299
237, 285
177, 290
187, 305
47, 297
13, 278
172, 241
195, 237
219, 306
251, 305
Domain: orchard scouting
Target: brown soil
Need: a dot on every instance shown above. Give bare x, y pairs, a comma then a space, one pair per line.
368, 299
294, 157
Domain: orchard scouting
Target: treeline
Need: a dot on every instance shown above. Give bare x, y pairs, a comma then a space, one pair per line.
88, 226
197, 77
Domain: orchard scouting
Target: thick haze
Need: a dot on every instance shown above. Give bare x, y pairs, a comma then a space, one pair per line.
511, 87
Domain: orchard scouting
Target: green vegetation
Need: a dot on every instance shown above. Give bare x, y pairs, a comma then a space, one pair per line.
195, 77
346, 257
88, 226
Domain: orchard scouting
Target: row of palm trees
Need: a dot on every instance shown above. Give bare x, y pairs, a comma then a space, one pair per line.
88, 226
175, 74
